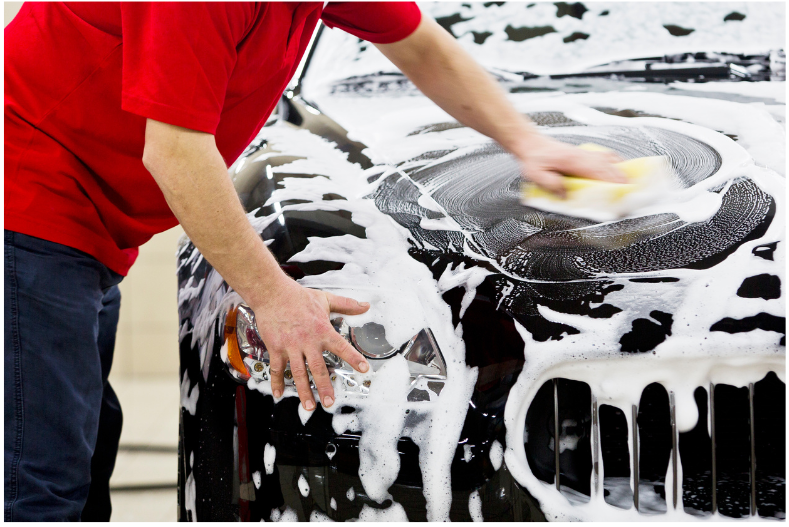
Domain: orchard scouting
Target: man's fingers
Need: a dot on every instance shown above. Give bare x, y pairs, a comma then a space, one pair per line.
277, 371
299, 370
340, 347
320, 376
593, 165
344, 305
549, 180
612, 157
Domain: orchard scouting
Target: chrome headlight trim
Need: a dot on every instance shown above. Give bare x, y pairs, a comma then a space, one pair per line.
426, 363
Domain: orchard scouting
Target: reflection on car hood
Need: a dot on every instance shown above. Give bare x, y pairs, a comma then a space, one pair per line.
641, 296
649, 284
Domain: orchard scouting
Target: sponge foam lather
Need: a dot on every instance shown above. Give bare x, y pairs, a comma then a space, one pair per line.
649, 180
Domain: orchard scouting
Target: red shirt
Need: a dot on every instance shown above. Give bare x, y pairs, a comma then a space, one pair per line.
81, 78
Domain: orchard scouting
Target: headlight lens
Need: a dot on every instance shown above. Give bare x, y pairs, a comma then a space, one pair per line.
246, 356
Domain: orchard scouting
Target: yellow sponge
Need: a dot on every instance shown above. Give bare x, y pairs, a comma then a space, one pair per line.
647, 179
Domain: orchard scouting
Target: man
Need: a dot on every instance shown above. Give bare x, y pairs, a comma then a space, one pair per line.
120, 122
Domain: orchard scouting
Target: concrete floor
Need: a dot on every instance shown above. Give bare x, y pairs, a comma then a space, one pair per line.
148, 449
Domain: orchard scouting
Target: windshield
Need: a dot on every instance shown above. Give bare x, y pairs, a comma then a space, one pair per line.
559, 38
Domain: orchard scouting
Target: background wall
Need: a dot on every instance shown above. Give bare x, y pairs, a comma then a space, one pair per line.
147, 339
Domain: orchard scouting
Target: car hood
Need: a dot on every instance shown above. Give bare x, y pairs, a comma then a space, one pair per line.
455, 193
380, 196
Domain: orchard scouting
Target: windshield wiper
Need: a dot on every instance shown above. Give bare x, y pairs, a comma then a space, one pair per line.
700, 67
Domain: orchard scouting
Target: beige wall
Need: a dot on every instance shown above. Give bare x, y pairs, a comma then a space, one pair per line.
10, 9
147, 341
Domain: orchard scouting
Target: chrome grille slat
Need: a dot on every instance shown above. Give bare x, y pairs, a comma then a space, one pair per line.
556, 449
733, 450
595, 445
753, 449
719, 451
770, 446
634, 465
714, 458
674, 446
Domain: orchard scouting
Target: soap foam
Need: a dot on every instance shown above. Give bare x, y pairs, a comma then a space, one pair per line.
475, 507
304, 487
627, 31
269, 457
189, 396
394, 513
406, 298
288, 515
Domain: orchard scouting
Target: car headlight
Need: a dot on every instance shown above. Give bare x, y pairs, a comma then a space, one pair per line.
246, 356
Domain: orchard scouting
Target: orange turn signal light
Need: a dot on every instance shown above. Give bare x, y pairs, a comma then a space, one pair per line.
233, 353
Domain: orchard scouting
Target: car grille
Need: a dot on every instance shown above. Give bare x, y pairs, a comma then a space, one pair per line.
732, 462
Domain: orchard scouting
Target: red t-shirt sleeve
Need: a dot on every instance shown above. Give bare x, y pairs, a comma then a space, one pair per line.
376, 22
178, 57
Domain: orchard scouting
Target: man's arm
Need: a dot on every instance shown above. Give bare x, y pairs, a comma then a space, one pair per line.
294, 320
443, 71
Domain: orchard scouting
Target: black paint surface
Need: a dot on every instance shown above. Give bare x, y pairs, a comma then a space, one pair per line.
678, 31
647, 334
765, 251
766, 286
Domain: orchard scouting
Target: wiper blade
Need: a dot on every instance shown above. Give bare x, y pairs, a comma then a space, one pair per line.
712, 71
701, 66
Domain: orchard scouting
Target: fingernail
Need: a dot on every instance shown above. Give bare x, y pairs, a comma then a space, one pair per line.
363, 366
277, 394
327, 401
364, 304
309, 405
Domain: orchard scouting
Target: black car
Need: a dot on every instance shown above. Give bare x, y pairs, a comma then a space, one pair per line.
526, 365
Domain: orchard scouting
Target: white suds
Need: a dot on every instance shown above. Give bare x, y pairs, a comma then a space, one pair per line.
467, 454
333, 504
305, 415
395, 513
190, 490
429, 203
269, 456
189, 397
705, 296
405, 297
318, 516
496, 454
439, 224
288, 515
475, 507
350, 494
382, 421
256, 479
469, 278
304, 487
628, 30
188, 292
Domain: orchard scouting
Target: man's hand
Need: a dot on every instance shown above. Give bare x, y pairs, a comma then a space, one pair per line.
294, 324
292, 320
544, 161
442, 69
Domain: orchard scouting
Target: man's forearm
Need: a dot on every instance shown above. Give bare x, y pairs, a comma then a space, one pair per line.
460, 86
193, 177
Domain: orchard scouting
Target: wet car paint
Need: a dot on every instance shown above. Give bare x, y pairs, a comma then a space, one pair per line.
216, 457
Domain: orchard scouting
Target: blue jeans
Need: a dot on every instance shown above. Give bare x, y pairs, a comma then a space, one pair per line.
62, 419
